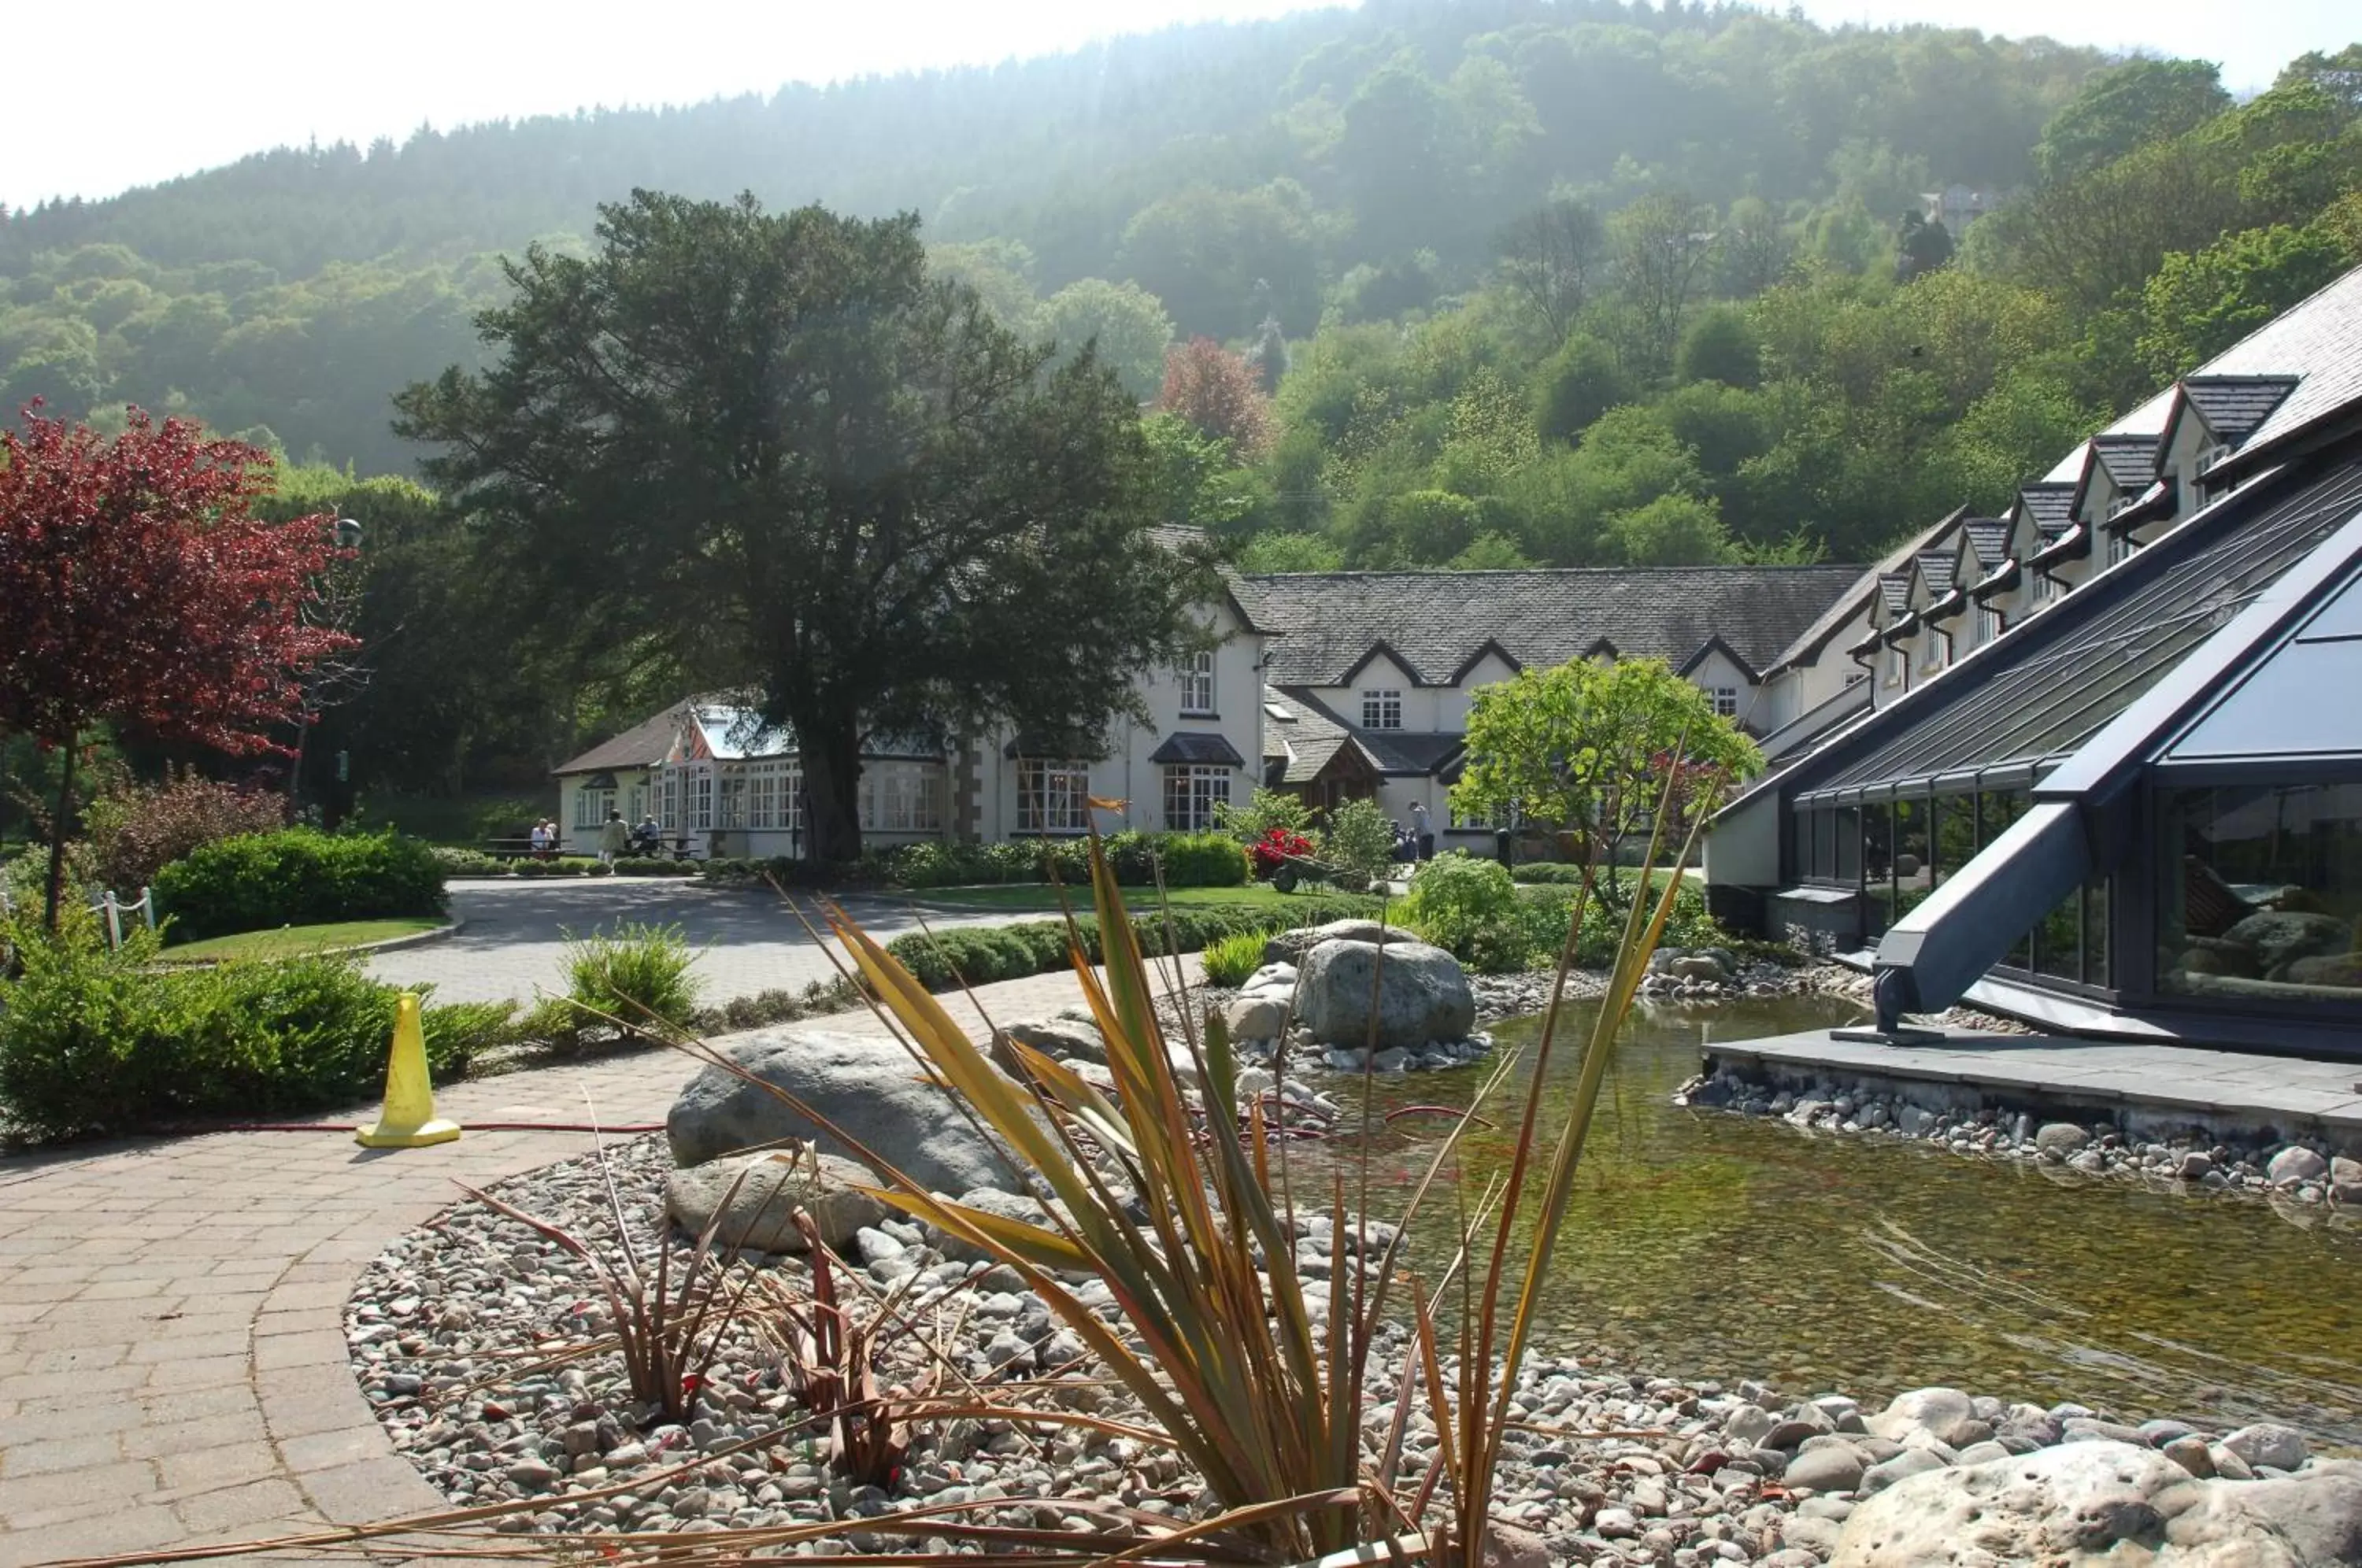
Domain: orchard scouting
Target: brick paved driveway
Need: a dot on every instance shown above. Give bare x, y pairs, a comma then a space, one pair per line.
515, 935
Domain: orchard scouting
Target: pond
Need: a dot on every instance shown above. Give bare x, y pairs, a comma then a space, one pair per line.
1707, 1245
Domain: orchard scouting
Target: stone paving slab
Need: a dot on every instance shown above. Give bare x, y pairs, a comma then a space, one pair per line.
173, 1361
2226, 1086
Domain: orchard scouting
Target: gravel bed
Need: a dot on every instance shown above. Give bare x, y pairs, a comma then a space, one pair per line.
473, 1338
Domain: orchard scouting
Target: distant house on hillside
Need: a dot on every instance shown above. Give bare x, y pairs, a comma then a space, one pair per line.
1956, 206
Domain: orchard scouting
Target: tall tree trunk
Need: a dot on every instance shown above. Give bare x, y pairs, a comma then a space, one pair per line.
57, 825
832, 759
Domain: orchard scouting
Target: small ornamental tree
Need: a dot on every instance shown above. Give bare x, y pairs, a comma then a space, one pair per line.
1219, 393
137, 590
1589, 747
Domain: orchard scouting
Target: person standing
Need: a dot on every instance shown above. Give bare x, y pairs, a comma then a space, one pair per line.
1422, 835
612, 837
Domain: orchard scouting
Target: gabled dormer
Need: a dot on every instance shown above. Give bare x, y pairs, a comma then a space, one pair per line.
2208, 419
2061, 544
2116, 470
1985, 571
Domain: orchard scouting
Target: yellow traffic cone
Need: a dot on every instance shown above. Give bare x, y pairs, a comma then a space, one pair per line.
408, 1121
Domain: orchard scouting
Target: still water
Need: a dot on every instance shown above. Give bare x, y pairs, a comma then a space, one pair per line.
1707, 1245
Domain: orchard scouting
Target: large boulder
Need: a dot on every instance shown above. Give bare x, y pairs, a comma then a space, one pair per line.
870, 1087
2280, 936
2105, 1502
1063, 1036
761, 1213
1290, 946
1421, 994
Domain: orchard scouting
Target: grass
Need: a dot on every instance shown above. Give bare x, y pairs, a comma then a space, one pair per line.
289, 941
1042, 898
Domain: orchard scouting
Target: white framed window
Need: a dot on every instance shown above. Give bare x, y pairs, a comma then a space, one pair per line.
730, 805
1938, 655
1198, 684
2045, 588
1501, 816
903, 797
700, 799
1192, 790
635, 801
775, 790
668, 800
1726, 700
1052, 796
1382, 709
1898, 664
2121, 545
591, 807
1988, 623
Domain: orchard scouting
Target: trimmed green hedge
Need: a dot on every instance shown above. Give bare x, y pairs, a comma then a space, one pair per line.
1191, 860
941, 960
93, 1040
297, 877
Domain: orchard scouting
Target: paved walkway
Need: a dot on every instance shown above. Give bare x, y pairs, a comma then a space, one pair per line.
515, 940
173, 1359
2157, 1083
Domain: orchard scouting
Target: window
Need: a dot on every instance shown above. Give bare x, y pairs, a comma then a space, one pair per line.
2259, 891
1501, 816
731, 810
1988, 623
668, 800
1382, 710
591, 807
637, 802
1726, 700
903, 797
775, 794
700, 800
1198, 684
1938, 655
1898, 664
2045, 588
2120, 544
1053, 797
1192, 790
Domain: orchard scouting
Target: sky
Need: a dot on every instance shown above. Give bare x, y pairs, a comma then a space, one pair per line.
172, 89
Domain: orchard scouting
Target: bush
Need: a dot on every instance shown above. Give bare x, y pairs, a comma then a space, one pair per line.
980, 954
297, 877
649, 865
1191, 859
1548, 874
1201, 860
95, 1040
1231, 960
1359, 837
470, 863
1471, 906
129, 835
633, 975
1548, 909
1265, 809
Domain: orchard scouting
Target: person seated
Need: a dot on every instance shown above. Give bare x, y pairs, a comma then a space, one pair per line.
647, 838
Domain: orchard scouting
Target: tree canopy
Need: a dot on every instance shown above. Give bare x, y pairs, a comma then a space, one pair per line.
773, 447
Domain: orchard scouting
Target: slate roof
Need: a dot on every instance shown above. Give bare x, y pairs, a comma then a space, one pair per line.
1935, 570
1861, 594
2051, 505
1988, 540
1304, 741
1894, 586
2317, 340
2129, 460
2235, 405
1197, 745
644, 744
1438, 623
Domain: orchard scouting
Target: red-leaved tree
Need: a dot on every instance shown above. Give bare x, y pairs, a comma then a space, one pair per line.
137, 590
1219, 393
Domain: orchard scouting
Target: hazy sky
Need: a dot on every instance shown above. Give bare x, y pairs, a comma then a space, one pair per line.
143, 90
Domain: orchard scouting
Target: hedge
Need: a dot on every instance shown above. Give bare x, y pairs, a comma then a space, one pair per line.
1191, 860
297, 877
978, 956
96, 1040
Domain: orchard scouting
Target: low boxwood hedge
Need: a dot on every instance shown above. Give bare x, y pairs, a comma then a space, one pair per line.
297, 877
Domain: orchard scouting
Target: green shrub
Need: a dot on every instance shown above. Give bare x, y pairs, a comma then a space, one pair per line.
1547, 873
1359, 837
1229, 960
470, 862
980, 954
1265, 809
1546, 910
1191, 860
297, 877
635, 974
96, 1040
1472, 908
649, 865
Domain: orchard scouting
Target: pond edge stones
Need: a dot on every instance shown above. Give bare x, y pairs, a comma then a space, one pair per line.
1364, 996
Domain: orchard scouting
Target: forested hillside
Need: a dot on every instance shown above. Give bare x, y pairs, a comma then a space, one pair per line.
1357, 163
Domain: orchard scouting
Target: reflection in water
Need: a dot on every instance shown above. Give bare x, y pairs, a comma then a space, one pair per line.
1710, 1245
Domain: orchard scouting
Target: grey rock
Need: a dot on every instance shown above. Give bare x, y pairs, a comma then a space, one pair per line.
2060, 1139
2278, 936
1420, 992
2094, 1502
2294, 1164
761, 1216
869, 1087
2346, 1180
1290, 946
1983, 1452
1945, 1414
2190, 1454
2268, 1442
532, 1474
2195, 1164
1271, 977
1902, 1467
1747, 1424
1056, 1037
1836, 1468
1256, 1018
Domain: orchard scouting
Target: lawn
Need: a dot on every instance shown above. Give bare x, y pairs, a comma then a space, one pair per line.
289, 939
1043, 898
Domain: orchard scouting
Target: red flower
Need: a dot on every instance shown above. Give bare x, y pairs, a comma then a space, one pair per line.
1276, 845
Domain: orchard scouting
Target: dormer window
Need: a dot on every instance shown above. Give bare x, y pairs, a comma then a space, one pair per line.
1898, 664
2045, 588
1988, 623
1197, 685
2121, 545
1382, 709
1938, 654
